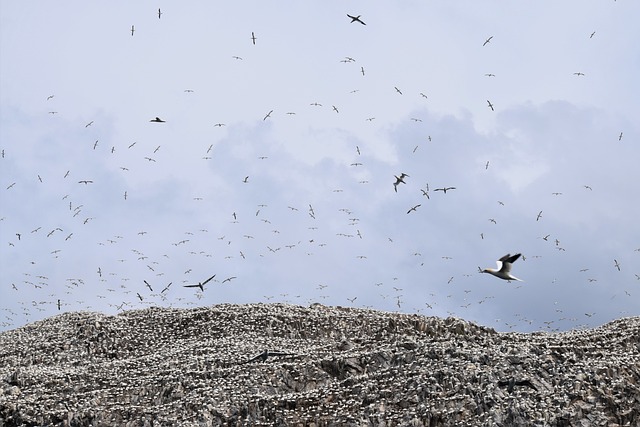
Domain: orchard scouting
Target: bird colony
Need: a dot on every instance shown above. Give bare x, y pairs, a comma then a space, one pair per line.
375, 157
286, 365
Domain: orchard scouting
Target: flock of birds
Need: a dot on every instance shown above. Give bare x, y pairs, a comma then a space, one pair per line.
61, 301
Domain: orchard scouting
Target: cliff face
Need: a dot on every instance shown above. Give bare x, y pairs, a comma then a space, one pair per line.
317, 366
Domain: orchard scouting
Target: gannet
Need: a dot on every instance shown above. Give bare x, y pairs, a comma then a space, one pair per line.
399, 179
504, 267
200, 284
356, 19
157, 120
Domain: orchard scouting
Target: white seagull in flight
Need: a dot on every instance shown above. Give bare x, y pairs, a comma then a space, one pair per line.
504, 267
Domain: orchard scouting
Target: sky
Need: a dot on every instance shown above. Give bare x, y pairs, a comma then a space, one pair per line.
275, 165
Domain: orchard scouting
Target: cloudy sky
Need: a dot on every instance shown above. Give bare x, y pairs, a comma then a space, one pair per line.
274, 168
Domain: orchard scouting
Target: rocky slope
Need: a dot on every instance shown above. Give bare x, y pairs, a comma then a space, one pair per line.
312, 366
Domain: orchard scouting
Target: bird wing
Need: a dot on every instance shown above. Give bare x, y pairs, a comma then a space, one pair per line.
206, 281
504, 263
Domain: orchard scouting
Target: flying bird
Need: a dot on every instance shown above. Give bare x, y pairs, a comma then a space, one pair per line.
399, 179
200, 284
539, 216
490, 105
487, 41
413, 209
253, 37
578, 74
504, 268
445, 189
132, 30
356, 19
159, 13
157, 120
617, 265
268, 115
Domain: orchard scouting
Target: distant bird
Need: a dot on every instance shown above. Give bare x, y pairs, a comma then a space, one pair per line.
413, 209
399, 179
539, 215
616, 264
487, 41
362, 70
578, 74
262, 357
490, 105
445, 189
132, 30
148, 285
159, 13
423, 95
228, 279
49, 97
620, 137
398, 90
157, 120
592, 34
253, 37
89, 124
490, 75
200, 284
85, 181
356, 19
246, 179
504, 268
268, 115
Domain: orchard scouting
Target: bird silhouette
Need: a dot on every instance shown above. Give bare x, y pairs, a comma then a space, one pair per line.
200, 284
399, 179
356, 19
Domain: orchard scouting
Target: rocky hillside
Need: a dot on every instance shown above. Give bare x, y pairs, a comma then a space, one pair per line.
312, 366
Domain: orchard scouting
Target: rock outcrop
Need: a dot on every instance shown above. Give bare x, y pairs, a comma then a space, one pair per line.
283, 365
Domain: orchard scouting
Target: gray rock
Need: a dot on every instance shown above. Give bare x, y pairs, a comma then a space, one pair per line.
319, 366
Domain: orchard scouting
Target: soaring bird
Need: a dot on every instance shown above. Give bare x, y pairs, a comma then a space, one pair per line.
133, 30
399, 179
487, 41
445, 189
490, 105
253, 37
504, 267
157, 120
356, 19
200, 284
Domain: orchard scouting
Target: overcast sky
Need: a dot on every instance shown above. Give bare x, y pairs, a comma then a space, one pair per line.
275, 165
